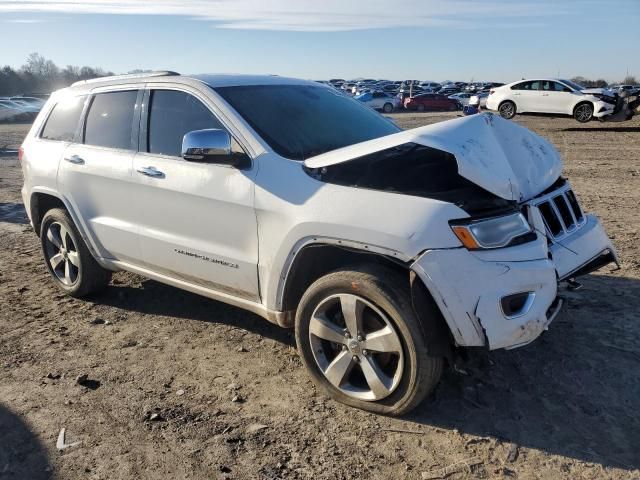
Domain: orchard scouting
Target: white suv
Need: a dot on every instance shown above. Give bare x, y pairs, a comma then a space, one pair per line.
387, 250
551, 96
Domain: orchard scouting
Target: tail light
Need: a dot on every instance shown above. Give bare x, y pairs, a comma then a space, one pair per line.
20, 153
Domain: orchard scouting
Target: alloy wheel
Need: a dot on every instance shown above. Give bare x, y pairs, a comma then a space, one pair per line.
506, 110
356, 347
62, 254
584, 113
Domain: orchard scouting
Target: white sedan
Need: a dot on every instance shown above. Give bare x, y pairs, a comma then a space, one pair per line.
480, 99
462, 97
553, 96
379, 101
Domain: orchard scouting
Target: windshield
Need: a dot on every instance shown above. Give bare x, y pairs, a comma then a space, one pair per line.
302, 121
573, 85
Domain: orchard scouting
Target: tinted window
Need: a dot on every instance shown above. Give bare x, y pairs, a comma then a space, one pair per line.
301, 121
171, 116
63, 121
527, 86
560, 87
110, 120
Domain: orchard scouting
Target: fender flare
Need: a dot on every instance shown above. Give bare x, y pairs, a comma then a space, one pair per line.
80, 225
323, 240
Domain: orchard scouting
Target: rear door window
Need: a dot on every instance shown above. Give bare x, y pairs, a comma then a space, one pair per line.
63, 120
535, 85
110, 120
173, 114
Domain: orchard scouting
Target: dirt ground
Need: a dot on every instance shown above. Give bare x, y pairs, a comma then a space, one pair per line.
184, 387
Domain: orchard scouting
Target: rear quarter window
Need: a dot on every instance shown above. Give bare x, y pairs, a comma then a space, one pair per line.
62, 123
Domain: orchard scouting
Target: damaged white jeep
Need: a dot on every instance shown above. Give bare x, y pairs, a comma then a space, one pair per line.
387, 250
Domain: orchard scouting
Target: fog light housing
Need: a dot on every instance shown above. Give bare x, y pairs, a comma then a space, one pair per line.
517, 304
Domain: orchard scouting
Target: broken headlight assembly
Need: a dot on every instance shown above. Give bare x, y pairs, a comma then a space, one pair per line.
493, 232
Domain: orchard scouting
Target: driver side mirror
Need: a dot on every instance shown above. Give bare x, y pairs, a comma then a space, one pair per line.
211, 145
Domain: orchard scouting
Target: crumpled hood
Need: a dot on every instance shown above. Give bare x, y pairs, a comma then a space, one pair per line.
598, 91
499, 155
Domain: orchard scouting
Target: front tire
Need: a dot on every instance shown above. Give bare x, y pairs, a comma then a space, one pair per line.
507, 109
68, 259
387, 108
583, 112
420, 108
361, 341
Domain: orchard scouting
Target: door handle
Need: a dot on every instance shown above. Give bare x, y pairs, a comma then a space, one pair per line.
150, 172
545, 94
75, 159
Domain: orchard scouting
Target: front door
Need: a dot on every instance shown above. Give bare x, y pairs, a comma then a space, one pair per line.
197, 221
556, 97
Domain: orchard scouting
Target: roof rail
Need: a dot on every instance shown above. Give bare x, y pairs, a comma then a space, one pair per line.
159, 73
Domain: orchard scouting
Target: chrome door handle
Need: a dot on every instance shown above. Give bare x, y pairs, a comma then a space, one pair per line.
75, 159
150, 172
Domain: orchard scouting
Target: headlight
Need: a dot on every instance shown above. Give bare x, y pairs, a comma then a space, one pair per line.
494, 232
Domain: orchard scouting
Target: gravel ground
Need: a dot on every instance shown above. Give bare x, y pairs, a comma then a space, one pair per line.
183, 387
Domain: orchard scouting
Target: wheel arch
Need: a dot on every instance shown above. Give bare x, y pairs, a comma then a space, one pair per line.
502, 102
582, 102
40, 202
43, 200
315, 260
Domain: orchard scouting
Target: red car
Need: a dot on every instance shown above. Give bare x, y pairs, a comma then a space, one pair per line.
431, 101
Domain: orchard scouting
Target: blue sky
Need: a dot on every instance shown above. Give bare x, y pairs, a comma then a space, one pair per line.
498, 40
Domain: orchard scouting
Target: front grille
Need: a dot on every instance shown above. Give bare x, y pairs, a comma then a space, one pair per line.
561, 212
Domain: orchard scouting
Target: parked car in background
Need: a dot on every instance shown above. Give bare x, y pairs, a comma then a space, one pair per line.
390, 88
551, 96
462, 97
431, 86
11, 111
29, 101
478, 99
431, 101
379, 101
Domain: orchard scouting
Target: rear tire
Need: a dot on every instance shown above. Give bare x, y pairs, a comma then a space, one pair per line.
387, 108
73, 268
507, 109
420, 108
341, 361
583, 112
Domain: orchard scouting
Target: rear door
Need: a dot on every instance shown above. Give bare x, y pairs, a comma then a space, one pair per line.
527, 96
95, 172
197, 221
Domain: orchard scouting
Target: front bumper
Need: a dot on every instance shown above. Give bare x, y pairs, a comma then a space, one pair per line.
469, 291
602, 109
469, 286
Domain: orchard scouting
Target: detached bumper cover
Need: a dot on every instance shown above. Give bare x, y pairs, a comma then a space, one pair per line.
601, 109
469, 291
583, 251
469, 286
